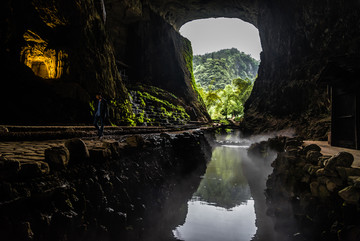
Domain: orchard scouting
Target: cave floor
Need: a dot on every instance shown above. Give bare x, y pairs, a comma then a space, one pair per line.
326, 149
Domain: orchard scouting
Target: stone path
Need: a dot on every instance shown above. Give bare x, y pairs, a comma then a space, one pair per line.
326, 149
34, 150
28, 150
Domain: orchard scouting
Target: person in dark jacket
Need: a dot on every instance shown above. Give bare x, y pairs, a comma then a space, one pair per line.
100, 115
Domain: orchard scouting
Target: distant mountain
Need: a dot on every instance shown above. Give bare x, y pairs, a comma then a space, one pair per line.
221, 67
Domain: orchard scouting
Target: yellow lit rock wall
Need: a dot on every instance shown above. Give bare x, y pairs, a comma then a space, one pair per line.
45, 63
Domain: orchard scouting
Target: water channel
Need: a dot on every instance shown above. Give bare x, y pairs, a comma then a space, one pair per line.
229, 203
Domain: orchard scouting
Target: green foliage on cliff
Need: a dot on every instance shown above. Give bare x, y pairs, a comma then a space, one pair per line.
222, 67
228, 102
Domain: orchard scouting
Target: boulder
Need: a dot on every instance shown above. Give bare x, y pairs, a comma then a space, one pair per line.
342, 159
9, 168
30, 169
350, 195
311, 147
78, 150
355, 181
57, 156
25, 232
135, 141
3, 129
100, 154
325, 172
115, 147
314, 188
313, 156
345, 172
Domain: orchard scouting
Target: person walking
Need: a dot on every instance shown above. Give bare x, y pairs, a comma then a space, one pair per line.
101, 113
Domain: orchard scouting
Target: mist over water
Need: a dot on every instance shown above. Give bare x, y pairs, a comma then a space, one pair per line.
229, 203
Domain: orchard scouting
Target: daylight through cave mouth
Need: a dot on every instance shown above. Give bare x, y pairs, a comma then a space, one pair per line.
225, 63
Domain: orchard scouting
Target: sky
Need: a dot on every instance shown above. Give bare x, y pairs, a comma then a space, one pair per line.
213, 34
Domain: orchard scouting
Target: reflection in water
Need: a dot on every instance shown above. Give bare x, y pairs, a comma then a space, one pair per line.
222, 207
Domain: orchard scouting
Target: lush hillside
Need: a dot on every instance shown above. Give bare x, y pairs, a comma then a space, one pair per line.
221, 67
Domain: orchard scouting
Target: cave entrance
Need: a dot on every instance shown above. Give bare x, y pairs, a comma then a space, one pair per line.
226, 58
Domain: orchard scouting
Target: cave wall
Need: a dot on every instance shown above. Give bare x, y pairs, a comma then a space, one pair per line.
97, 39
298, 39
67, 38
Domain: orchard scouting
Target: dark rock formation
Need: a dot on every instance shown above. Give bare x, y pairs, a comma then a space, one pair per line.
311, 196
86, 46
114, 195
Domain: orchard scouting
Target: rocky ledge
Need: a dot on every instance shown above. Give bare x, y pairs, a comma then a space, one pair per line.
96, 192
311, 196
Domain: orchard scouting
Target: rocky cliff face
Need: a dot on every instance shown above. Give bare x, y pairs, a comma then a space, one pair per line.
298, 38
86, 44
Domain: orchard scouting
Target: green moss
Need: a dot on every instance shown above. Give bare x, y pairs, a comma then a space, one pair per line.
188, 57
124, 115
92, 107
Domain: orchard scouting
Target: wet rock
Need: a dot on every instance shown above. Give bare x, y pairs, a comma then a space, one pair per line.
326, 172
57, 157
342, 159
313, 169
78, 150
314, 189
9, 168
345, 172
33, 169
3, 129
100, 155
333, 184
312, 147
114, 147
355, 181
135, 141
350, 195
322, 159
25, 232
313, 156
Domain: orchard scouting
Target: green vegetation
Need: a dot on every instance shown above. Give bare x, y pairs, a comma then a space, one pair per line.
225, 80
228, 102
223, 66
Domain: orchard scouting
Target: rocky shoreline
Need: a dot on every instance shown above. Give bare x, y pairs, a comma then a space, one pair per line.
104, 192
311, 196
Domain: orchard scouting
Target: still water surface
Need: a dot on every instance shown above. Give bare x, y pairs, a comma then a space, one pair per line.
222, 207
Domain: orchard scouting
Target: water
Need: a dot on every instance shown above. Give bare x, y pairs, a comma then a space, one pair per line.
224, 206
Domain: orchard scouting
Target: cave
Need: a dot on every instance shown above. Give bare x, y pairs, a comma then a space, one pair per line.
298, 39
57, 55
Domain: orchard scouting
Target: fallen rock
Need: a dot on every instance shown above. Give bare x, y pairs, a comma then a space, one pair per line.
354, 180
314, 188
25, 232
9, 168
311, 147
313, 156
350, 195
78, 150
115, 147
33, 169
342, 159
100, 154
3, 129
57, 156
345, 172
325, 172
135, 141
